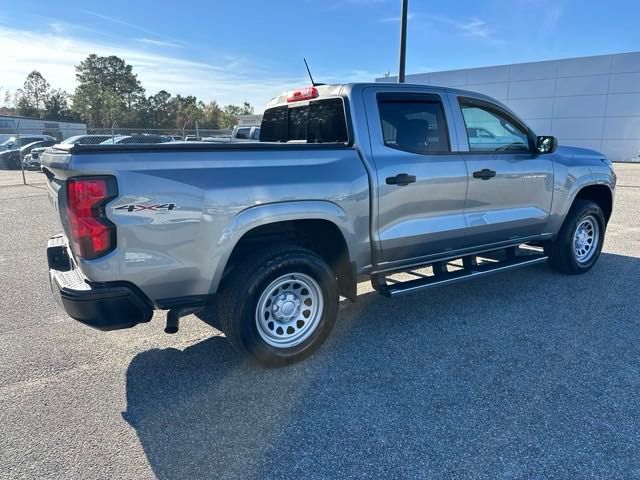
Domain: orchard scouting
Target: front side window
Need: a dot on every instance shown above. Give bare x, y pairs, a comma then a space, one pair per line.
489, 130
414, 124
27, 140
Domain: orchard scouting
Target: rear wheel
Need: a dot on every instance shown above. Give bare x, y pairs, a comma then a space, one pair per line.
278, 306
579, 243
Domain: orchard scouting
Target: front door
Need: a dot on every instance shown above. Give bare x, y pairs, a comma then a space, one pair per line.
510, 185
421, 184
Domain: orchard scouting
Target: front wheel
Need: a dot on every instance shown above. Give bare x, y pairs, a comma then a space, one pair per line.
279, 306
579, 243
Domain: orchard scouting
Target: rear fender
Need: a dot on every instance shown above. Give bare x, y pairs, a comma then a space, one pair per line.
260, 215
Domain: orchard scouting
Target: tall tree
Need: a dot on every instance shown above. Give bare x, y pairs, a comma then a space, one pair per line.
56, 106
33, 94
9, 99
108, 91
186, 111
160, 113
213, 115
231, 113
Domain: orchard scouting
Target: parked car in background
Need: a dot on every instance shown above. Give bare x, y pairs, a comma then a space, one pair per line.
244, 133
14, 143
10, 159
134, 139
192, 138
479, 134
32, 161
92, 139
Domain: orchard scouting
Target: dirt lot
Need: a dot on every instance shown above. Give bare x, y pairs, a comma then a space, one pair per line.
526, 374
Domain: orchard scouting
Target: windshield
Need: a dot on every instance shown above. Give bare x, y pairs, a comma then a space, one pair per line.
71, 140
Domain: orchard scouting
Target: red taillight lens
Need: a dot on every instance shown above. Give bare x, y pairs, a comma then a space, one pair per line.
303, 94
92, 234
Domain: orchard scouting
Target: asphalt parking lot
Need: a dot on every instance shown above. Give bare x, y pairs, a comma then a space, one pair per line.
529, 374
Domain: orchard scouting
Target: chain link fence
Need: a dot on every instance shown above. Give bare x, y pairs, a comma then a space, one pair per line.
21, 147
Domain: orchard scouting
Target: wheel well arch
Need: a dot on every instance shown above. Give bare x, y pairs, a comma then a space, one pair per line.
600, 194
322, 237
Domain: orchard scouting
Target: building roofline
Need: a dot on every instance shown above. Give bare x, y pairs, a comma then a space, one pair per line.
20, 117
513, 64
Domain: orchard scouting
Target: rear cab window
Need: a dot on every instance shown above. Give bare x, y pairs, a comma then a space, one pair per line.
316, 121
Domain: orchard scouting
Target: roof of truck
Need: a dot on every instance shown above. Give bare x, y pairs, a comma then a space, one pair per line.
344, 89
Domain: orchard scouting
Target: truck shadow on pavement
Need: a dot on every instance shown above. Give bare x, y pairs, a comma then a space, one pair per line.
526, 374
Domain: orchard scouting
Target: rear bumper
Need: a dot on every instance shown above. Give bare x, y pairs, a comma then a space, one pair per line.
105, 306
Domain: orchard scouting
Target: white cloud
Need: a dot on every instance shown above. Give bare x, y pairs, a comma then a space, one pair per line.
159, 43
395, 19
120, 22
56, 55
56, 27
473, 27
232, 79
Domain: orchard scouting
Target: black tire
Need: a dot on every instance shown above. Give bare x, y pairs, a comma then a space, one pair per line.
561, 252
237, 300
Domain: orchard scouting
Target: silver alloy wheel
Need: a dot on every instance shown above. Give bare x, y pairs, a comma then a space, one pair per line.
586, 239
289, 310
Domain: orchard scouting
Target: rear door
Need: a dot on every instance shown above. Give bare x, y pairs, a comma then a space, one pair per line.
510, 185
421, 185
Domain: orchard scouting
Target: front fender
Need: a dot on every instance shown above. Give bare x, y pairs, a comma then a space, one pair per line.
259, 215
569, 184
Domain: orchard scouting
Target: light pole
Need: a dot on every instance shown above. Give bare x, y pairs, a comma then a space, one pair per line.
403, 40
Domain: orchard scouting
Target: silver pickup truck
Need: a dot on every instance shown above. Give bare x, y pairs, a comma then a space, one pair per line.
409, 186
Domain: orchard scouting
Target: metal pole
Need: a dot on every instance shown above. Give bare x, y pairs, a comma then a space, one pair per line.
24, 178
403, 40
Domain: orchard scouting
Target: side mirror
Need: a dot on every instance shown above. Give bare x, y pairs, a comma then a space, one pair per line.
546, 144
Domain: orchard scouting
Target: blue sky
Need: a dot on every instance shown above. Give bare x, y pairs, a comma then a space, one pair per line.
252, 50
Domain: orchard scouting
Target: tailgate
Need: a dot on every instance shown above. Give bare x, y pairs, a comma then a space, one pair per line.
55, 166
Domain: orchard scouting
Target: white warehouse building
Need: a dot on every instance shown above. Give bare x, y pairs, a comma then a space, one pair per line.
591, 102
10, 126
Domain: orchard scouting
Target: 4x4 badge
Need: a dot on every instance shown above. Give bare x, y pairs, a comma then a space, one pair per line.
136, 207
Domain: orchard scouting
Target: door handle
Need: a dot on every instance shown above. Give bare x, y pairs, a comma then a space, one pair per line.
484, 174
401, 179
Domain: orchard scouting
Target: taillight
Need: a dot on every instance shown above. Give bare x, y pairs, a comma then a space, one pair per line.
92, 234
303, 94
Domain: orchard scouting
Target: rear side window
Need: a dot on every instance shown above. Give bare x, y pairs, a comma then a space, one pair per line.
319, 121
415, 123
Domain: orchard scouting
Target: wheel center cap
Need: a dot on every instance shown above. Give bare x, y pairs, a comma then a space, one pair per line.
582, 238
288, 308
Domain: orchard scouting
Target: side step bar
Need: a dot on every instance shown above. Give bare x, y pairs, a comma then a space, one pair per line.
472, 266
